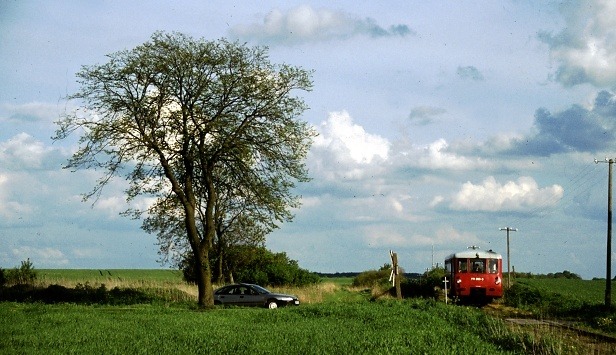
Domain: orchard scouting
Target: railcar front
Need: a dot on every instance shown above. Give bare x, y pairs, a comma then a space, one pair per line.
475, 276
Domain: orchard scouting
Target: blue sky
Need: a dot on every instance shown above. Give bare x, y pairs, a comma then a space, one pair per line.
439, 123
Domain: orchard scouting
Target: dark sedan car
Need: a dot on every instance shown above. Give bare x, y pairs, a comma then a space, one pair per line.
252, 295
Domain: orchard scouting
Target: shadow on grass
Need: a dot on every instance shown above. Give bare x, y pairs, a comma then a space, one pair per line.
81, 294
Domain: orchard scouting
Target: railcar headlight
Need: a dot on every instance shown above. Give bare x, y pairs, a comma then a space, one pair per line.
498, 280
459, 281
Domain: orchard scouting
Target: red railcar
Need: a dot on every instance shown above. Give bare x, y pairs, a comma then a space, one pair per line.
475, 276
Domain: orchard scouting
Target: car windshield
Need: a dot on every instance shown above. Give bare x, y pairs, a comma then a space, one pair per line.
260, 289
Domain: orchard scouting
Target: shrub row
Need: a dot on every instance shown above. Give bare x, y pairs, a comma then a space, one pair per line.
81, 294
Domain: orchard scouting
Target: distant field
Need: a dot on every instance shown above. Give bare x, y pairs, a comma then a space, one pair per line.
588, 291
102, 275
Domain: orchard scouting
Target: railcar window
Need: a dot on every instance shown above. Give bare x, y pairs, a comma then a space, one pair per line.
448, 266
462, 266
479, 265
493, 266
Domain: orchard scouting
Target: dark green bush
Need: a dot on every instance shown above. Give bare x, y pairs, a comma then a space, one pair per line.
429, 285
258, 265
373, 278
24, 275
261, 266
81, 294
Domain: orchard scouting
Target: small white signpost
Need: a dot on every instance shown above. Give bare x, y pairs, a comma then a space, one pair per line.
445, 282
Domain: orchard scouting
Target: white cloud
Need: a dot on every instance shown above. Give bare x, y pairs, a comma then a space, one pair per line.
438, 156
344, 149
585, 47
305, 23
11, 210
436, 201
347, 139
492, 196
113, 206
23, 152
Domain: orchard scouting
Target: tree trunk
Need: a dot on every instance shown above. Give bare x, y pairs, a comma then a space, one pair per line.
220, 272
204, 284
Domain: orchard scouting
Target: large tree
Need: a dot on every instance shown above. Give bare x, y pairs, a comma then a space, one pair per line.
190, 121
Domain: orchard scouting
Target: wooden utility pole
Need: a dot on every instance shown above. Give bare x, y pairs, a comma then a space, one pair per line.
608, 262
508, 229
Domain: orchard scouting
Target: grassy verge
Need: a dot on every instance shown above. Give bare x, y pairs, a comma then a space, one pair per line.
383, 327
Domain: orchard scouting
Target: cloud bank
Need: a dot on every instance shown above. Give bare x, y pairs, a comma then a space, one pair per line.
307, 24
584, 50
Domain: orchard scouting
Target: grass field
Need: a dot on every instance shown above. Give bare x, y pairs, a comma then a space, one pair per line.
334, 318
64, 276
589, 291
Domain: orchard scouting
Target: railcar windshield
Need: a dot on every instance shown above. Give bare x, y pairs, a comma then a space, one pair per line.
462, 265
493, 266
479, 265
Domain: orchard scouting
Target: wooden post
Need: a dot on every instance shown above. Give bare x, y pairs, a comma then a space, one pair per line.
394, 273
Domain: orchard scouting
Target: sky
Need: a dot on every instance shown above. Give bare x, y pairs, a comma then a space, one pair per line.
440, 122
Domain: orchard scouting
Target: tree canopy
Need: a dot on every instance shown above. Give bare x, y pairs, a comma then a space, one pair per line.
210, 129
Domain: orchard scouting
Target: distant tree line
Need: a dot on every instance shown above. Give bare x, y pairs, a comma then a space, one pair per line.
558, 275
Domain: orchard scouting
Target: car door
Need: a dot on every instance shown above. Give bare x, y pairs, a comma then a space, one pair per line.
251, 297
231, 296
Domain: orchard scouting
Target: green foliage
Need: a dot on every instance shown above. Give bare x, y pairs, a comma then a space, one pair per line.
373, 278
80, 294
24, 275
427, 286
261, 266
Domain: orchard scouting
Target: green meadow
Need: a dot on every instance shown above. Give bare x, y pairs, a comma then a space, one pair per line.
155, 312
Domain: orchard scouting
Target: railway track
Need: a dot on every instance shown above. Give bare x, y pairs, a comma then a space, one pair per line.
584, 340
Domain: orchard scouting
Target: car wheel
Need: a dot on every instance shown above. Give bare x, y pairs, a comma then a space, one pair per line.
272, 304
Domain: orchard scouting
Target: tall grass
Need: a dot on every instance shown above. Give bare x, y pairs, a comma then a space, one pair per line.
384, 327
